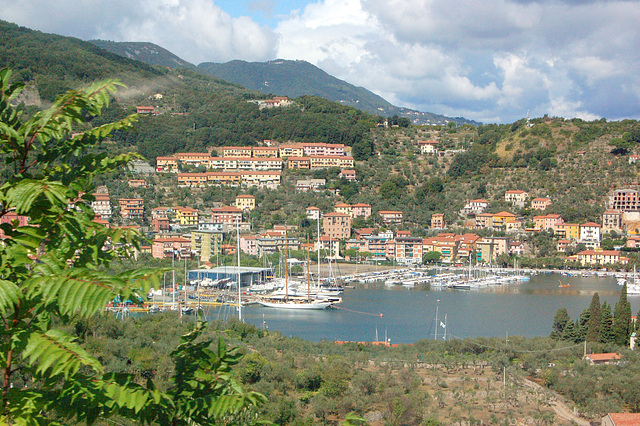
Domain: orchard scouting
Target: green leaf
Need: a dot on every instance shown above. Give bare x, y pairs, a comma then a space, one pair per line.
10, 295
54, 353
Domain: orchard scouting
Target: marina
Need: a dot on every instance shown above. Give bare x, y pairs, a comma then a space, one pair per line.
507, 305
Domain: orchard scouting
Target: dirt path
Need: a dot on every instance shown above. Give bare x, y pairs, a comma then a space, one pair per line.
561, 409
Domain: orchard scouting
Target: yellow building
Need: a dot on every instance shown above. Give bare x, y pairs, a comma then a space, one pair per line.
186, 216
206, 244
246, 202
568, 231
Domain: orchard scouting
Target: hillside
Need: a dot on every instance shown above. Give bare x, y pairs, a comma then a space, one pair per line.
55, 64
296, 78
192, 111
280, 77
148, 53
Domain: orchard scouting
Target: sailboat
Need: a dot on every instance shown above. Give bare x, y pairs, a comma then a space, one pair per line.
633, 287
294, 302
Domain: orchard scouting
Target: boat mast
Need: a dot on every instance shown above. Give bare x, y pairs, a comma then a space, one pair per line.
437, 324
286, 260
318, 250
238, 250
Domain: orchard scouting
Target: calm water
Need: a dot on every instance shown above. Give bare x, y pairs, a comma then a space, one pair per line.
525, 309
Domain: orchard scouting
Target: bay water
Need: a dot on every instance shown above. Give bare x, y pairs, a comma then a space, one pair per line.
408, 315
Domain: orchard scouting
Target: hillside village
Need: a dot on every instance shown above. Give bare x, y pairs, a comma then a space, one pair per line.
358, 232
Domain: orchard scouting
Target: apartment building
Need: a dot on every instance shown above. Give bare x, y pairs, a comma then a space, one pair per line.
337, 225
245, 202
516, 198
227, 214
390, 217
131, 208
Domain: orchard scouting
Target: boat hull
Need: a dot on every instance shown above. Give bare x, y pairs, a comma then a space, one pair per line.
313, 305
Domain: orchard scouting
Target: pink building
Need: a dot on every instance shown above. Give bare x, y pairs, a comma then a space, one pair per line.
171, 246
227, 214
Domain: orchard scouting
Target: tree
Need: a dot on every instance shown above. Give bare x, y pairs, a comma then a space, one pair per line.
606, 333
54, 267
622, 319
593, 325
431, 257
560, 322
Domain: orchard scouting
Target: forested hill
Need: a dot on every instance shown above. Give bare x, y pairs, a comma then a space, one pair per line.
193, 111
296, 78
148, 53
280, 77
55, 64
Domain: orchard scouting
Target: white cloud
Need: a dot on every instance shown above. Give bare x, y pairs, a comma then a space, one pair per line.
496, 58
196, 30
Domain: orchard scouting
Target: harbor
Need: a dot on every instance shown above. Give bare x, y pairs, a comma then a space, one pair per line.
372, 303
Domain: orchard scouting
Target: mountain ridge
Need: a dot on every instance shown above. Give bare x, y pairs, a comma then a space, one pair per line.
294, 78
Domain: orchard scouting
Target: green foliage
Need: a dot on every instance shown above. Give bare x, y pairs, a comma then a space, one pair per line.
622, 319
54, 267
595, 318
560, 322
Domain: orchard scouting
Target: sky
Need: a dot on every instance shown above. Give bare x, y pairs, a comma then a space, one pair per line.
491, 61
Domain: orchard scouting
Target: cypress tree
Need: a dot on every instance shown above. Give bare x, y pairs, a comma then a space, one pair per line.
593, 326
570, 332
606, 334
622, 319
582, 324
560, 321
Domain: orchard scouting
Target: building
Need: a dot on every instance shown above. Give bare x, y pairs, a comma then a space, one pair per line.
101, 205
611, 221
540, 203
145, 110
336, 225
407, 250
324, 161
504, 221
265, 152
484, 221
603, 359
237, 151
313, 213
348, 174
186, 216
271, 245
590, 234
548, 222
361, 210
475, 207
298, 163
193, 158
137, 183
245, 202
227, 214
598, 257
167, 164
621, 419
516, 198
205, 244
491, 247
310, 184
343, 208
428, 147
376, 245
390, 217
249, 244
171, 246
437, 221
131, 208
569, 231
624, 200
